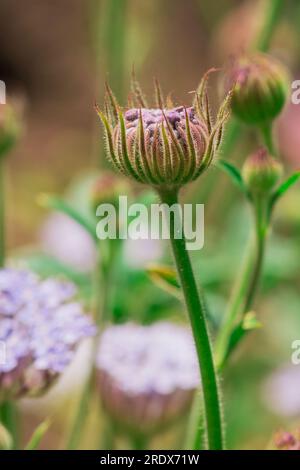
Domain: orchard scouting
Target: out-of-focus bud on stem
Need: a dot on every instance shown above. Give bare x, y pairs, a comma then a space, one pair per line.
107, 188
10, 127
259, 88
261, 173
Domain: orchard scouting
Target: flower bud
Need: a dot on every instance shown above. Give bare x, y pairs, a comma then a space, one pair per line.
147, 375
162, 146
9, 127
259, 88
107, 188
261, 172
284, 440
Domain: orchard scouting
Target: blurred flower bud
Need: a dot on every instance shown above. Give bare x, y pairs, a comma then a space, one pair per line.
162, 146
9, 127
261, 172
284, 440
41, 327
147, 375
260, 88
107, 188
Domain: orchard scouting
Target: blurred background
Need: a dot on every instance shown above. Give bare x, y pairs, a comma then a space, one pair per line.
55, 56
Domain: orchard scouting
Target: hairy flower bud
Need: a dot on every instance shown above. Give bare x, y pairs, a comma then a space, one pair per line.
162, 146
9, 127
261, 172
147, 375
259, 88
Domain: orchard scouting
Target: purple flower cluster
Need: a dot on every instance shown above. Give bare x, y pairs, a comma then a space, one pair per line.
153, 117
40, 328
147, 374
175, 117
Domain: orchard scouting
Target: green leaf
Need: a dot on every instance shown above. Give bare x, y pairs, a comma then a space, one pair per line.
249, 323
165, 277
234, 173
47, 266
53, 202
284, 187
38, 435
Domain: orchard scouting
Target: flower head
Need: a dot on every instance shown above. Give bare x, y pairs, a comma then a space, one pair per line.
261, 172
40, 328
259, 88
147, 374
162, 146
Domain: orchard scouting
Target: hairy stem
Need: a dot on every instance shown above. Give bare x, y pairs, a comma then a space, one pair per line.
212, 405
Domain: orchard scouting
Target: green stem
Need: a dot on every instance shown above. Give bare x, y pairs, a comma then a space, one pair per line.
108, 435
247, 284
196, 313
195, 436
9, 419
273, 13
261, 205
234, 308
103, 283
105, 278
81, 414
139, 442
267, 133
2, 212
116, 41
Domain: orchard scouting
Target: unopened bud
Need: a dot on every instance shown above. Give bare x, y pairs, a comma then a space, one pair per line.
107, 188
259, 88
261, 172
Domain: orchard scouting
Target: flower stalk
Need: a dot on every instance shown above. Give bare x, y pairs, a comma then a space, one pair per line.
246, 287
198, 323
166, 148
261, 173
